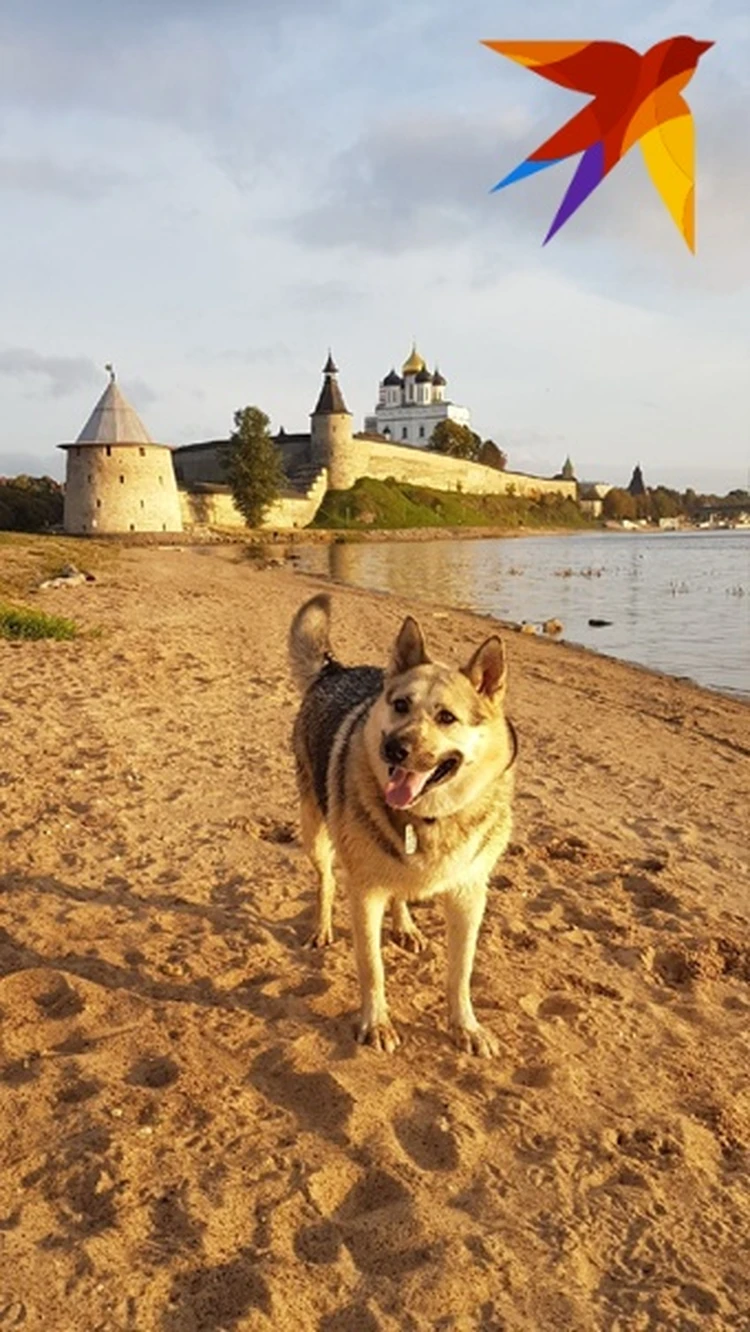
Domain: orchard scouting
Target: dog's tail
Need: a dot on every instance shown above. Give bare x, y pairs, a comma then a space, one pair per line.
309, 640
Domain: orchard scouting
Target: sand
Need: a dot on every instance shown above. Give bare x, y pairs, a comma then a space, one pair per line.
191, 1139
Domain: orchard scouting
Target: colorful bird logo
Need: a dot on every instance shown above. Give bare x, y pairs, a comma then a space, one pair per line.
636, 100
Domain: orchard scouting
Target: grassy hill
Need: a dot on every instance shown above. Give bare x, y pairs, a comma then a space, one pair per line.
389, 504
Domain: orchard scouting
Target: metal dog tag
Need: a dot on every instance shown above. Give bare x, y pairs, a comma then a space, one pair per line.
410, 840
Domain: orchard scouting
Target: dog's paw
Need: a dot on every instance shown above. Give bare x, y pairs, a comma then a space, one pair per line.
321, 938
476, 1041
411, 940
380, 1036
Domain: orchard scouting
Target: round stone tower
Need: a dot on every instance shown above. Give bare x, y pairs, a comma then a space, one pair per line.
116, 478
332, 443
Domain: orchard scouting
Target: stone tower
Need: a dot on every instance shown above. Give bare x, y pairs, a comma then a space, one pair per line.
332, 443
116, 478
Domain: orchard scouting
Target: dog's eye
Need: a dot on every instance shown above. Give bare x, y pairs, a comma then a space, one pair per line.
400, 705
445, 718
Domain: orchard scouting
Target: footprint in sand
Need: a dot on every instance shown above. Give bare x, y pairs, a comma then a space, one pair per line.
381, 1228
319, 1243
154, 1071
208, 1299
648, 896
12, 1313
61, 1001
353, 1318
426, 1136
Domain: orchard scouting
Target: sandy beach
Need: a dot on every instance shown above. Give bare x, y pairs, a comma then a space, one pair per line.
193, 1142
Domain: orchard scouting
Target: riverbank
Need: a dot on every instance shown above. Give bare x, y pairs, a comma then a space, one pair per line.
193, 1141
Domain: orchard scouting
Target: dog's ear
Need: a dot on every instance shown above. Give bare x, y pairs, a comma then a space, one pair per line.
488, 669
409, 649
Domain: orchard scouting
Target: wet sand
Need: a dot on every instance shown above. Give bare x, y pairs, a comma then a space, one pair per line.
192, 1141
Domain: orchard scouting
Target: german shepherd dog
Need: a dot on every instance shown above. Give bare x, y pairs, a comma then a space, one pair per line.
405, 779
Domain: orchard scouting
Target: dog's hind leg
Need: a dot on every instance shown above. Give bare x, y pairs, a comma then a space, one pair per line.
464, 909
403, 930
319, 848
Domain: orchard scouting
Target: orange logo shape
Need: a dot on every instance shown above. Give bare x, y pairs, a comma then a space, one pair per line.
636, 99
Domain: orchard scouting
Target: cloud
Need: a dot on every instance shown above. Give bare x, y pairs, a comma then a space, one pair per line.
330, 295
182, 62
404, 187
141, 394
62, 374
268, 354
41, 175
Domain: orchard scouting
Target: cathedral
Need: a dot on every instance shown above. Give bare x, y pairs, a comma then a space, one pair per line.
411, 404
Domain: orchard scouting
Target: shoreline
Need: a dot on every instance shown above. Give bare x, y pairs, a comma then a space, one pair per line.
551, 641
262, 536
555, 641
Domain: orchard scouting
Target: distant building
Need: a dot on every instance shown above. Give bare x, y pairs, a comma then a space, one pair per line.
332, 456
117, 479
636, 485
591, 497
567, 471
411, 404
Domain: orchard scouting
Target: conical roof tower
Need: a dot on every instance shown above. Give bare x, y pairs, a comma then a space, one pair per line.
331, 400
113, 420
117, 478
331, 441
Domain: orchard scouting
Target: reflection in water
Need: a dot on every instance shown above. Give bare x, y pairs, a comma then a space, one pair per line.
678, 602
410, 568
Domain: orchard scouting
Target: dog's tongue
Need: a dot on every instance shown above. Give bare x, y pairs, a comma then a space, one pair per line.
402, 787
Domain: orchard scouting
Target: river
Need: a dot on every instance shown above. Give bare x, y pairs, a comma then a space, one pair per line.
677, 602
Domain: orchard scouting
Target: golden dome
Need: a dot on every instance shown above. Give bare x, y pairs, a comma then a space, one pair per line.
414, 363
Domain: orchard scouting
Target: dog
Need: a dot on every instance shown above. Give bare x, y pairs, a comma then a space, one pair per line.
405, 779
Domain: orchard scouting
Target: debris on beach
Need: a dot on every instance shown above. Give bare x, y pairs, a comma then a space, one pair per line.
552, 627
69, 576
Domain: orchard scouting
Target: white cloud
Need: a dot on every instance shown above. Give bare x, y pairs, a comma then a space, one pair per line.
59, 375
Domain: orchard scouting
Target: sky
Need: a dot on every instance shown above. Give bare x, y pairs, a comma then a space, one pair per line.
211, 193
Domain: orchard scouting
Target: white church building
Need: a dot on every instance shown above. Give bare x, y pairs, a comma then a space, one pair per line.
411, 404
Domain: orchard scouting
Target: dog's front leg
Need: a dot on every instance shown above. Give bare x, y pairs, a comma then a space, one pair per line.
464, 908
367, 911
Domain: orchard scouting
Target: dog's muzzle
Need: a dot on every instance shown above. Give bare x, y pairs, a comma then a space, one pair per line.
405, 785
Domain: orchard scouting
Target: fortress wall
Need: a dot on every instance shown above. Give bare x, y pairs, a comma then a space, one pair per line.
294, 450
421, 468
200, 464
289, 511
212, 508
120, 488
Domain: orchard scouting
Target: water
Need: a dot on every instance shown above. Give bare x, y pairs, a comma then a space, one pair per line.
678, 602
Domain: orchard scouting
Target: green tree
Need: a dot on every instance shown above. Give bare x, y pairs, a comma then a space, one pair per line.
690, 502
491, 456
253, 465
665, 503
30, 503
619, 504
458, 441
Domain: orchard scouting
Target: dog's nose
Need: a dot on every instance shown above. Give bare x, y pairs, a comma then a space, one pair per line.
395, 751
